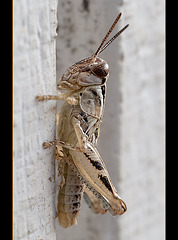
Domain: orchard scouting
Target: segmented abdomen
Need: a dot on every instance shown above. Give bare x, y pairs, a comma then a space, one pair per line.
69, 198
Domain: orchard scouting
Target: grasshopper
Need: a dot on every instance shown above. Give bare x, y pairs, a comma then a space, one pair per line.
83, 89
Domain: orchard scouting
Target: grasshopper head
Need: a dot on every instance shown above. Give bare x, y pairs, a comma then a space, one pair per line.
87, 72
90, 71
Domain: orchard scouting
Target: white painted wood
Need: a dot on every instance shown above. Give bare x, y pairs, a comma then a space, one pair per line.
34, 73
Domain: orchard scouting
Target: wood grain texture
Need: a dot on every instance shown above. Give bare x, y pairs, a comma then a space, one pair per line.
34, 72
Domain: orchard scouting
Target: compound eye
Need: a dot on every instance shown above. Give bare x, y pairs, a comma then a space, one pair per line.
101, 70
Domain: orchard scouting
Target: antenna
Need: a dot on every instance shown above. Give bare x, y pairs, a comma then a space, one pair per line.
101, 47
113, 38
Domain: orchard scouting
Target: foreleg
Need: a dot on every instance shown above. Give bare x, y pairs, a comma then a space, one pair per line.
60, 96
